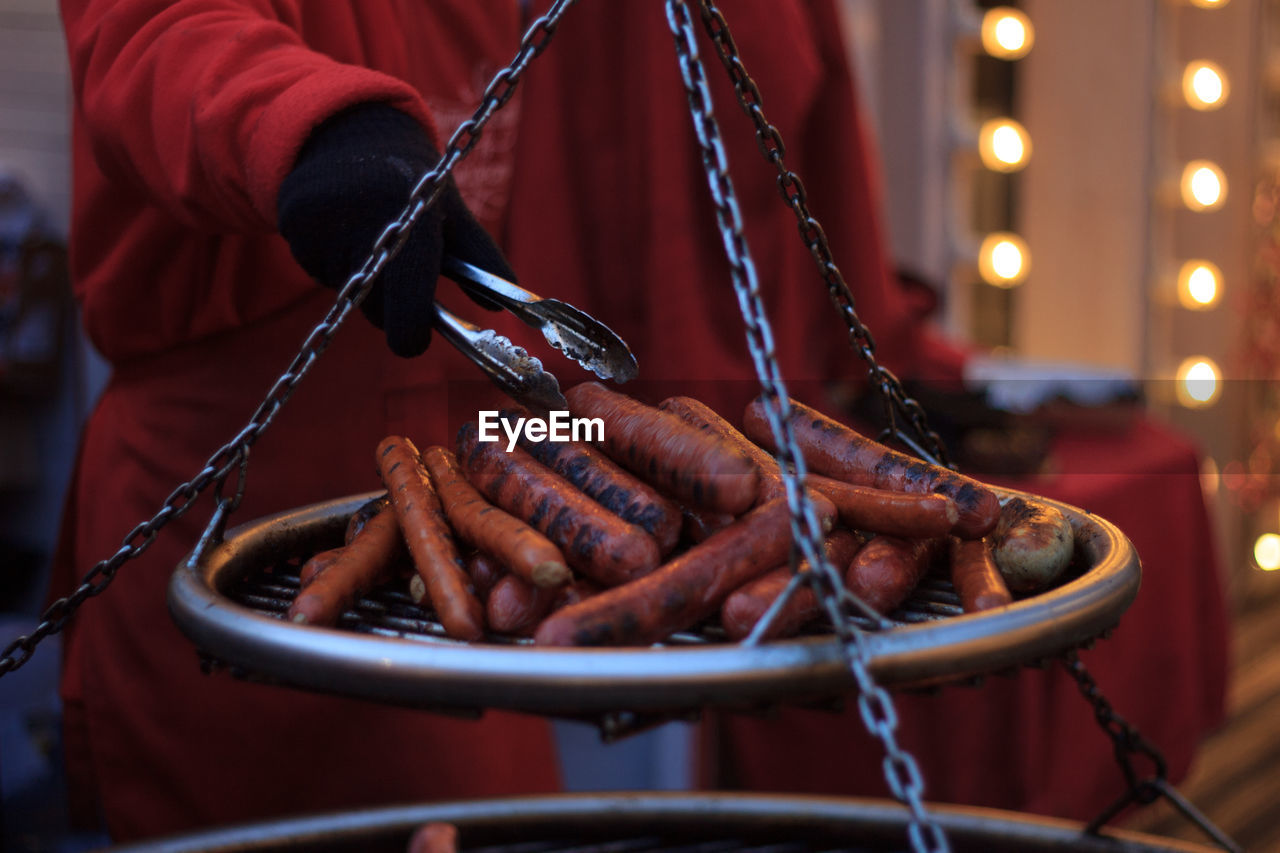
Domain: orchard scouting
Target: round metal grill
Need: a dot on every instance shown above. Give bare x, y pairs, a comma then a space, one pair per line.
663, 823
388, 649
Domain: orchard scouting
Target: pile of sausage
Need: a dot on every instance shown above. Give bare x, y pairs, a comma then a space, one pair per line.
674, 518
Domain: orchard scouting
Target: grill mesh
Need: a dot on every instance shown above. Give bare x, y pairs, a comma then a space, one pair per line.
656, 845
389, 611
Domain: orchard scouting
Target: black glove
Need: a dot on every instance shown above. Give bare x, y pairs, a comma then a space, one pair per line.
353, 176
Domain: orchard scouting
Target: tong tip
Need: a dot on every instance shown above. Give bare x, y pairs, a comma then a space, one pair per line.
523, 377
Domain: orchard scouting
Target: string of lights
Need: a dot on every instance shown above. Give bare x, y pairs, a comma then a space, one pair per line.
1202, 189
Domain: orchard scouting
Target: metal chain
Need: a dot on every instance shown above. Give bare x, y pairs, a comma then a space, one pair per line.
235, 452
876, 707
897, 404
1128, 744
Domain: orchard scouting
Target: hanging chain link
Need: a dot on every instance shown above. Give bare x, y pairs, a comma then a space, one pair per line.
876, 707
1129, 744
897, 404
236, 452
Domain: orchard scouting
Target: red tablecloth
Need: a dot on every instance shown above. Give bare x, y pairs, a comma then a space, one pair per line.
1030, 742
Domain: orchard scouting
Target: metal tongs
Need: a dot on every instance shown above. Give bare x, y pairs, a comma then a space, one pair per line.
521, 376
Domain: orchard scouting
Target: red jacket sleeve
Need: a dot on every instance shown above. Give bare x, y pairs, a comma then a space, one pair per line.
203, 104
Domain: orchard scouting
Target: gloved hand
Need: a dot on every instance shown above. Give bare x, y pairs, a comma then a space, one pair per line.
352, 177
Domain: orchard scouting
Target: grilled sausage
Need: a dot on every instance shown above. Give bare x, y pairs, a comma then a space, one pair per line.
705, 418
685, 590
357, 567
694, 467
426, 531
905, 514
434, 838
975, 576
580, 590
744, 607
618, 491
517, 546
515, 606
887, 570
317, 564
361, 516
1032, 544
834, 449
485, 572
698, 526
593, 540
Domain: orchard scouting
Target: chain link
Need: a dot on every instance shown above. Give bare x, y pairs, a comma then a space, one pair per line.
1129, 744
900, 769
1127, 741
235, 452
897, 404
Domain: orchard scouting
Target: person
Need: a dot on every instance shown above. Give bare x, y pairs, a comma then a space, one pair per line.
230, 158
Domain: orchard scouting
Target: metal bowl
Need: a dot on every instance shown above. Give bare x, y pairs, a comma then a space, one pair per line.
653, 822
422, 669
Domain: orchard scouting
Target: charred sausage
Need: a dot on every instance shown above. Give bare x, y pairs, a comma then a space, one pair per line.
593, 540
834, 449
694, 467
685, 590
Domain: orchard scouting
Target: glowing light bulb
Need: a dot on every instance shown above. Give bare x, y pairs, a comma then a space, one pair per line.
1209, 4
1199, 285
1007, 33
1199, 382
1266, 552
1003, 259
1204, 86
1003, 145
1204, 187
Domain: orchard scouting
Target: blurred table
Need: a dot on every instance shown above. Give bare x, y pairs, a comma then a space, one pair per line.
1029, 742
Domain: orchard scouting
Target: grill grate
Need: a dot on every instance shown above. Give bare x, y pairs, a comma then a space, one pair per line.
657, 845
389, 611
388, 649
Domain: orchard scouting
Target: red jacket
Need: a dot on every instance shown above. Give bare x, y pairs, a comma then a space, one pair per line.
187, 116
